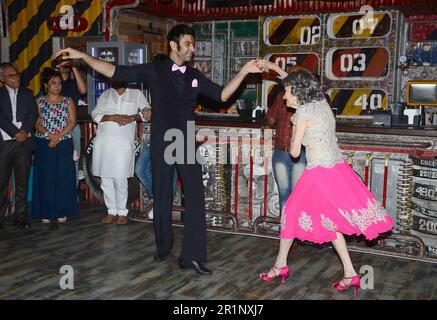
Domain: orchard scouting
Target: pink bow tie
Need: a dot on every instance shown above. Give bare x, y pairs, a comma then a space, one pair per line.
176, 67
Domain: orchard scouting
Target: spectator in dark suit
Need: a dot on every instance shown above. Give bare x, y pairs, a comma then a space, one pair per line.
18, 113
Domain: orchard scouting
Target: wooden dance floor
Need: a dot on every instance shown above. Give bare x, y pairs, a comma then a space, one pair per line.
116, 262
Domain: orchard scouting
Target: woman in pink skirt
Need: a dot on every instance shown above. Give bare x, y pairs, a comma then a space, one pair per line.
329, 199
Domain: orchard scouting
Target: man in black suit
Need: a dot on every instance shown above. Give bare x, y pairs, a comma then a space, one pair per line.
174, 88
18, 113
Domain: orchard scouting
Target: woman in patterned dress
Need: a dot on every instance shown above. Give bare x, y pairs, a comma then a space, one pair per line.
54, 188
329, 199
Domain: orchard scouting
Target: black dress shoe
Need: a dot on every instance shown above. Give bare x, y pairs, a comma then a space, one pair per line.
196, 266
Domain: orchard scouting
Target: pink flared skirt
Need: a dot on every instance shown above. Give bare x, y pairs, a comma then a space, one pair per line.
330, 200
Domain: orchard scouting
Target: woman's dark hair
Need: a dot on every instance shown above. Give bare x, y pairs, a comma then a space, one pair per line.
46, 75
178, 31
306, 87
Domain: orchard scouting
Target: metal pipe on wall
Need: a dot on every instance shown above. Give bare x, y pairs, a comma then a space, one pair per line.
109, 7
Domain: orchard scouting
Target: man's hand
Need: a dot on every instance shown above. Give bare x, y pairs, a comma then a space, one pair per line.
21, 136
251, 67
123, 119
147, 113
70, 53
127, 119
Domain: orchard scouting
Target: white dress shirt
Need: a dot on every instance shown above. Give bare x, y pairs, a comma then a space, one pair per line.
13, 95
114, 146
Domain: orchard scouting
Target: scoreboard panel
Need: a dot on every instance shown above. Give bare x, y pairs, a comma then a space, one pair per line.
360, 25
353, 53
310, 61
357, 101
302, 30
368, 63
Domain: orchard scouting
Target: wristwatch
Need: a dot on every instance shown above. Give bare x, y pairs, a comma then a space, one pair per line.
46, 134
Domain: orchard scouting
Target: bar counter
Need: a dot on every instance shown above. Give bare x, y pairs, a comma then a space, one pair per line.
397, 164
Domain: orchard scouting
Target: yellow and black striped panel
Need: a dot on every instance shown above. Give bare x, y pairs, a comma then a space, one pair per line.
297, 30
309, 61
360, 25
357, 101
357, 63
30, 38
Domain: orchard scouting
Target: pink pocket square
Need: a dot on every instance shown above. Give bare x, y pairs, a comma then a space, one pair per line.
194, 83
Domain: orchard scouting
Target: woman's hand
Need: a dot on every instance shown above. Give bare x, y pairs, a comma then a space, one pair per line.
251, 67
53, 137
52, 144
265, 66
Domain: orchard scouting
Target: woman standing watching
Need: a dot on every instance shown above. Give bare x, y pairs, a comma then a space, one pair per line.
54, 189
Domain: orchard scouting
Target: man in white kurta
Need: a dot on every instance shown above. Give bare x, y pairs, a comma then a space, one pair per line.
116, 113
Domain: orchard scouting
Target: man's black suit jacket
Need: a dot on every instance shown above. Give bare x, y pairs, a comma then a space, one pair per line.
27, 113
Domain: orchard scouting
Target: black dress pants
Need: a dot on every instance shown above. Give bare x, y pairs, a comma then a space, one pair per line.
194, 241
14, 157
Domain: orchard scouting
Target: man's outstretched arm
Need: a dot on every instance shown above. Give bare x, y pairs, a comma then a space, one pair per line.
232, 86
105, 68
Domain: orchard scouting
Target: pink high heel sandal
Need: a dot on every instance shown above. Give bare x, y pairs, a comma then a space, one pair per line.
355, 282
283, 272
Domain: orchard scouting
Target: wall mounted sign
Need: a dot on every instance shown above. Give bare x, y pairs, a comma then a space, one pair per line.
366, 63
357, 101
359, 25
67, 21
309, 61
303, 30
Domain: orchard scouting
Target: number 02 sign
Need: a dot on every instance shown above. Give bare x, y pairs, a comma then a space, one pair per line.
303, 30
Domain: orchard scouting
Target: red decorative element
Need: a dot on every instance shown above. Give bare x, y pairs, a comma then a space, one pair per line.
196, 10
266, 178
79, 24
236, 186
250, 184
422, 31
384, 191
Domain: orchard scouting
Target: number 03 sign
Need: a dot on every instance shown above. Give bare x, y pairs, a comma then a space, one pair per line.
367, 63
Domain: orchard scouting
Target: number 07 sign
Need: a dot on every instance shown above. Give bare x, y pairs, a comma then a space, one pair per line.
359, 25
